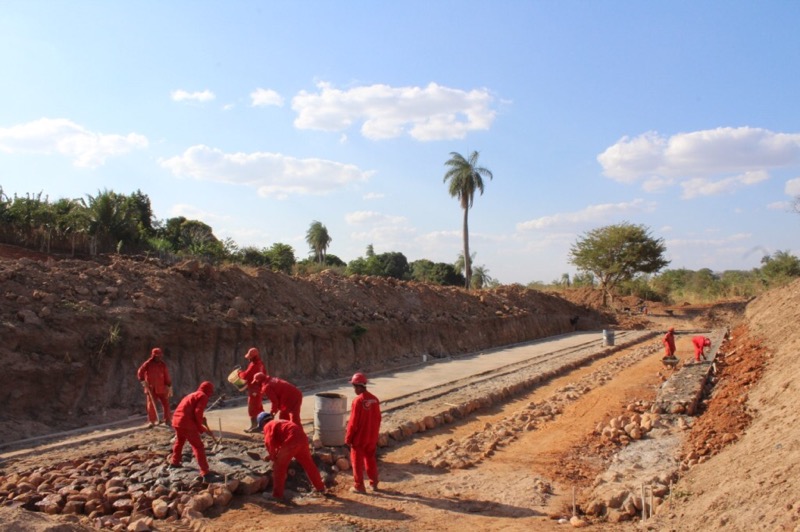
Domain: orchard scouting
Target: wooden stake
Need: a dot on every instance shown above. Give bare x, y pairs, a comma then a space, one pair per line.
644, 505
573, 502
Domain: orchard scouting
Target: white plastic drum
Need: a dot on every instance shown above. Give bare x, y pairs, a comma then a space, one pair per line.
608, 337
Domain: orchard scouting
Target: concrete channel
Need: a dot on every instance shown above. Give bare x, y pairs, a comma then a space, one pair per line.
426, 380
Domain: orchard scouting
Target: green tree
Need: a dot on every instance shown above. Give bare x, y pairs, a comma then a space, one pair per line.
70, 216
111, 222
440, 273
465, 177
318, 240
616, 253
392, 264
780, 267
481, 278
461, 265
252, 256
583, 279
192, 237
738, 283
334, 261
281, 257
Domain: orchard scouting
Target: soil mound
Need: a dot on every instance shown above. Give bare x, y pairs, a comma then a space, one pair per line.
754, 483
93, 322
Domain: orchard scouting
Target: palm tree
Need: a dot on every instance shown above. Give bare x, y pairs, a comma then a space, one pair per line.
481, 278
465, 178
318, 239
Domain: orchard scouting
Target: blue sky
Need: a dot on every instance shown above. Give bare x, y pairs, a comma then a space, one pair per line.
259, 118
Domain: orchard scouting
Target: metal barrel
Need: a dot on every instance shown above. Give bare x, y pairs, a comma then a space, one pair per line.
330, 410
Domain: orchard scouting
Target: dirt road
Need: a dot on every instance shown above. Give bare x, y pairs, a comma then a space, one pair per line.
525, 480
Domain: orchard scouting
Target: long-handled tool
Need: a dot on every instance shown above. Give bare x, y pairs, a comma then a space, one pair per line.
217, 402
218, 443
149, 393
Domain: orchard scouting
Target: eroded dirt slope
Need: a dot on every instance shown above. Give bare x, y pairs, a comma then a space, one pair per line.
754, 483
93, 323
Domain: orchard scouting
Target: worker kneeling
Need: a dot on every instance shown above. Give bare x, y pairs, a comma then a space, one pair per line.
285, 440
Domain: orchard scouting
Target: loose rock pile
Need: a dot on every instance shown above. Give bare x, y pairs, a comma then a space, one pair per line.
479, 445
639, 477
624, 429
130, 490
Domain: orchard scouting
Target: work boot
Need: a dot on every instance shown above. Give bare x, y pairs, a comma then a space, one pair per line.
361, 491
253, 425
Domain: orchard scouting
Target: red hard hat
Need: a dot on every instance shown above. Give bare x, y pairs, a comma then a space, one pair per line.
672, 329
359, 378
259, 378
707, 341
156, 352
252, 353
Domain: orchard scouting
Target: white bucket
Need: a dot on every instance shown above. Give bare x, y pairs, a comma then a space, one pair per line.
330, 410
237, 381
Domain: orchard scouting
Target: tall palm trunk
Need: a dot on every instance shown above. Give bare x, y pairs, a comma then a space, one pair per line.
467, 261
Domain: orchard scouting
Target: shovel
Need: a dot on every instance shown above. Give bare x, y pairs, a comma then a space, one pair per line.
218, 442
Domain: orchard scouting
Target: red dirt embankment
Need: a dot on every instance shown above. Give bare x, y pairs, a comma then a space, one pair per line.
92, 323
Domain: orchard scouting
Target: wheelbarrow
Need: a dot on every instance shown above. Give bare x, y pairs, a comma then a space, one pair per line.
671, 361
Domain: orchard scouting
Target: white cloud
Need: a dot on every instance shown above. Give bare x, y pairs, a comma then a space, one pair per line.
181, 95
792, 187
264, 97
424, 113
390, 231
271, 174
592, 213
372, 217
699, 154
58, 135
779, 206
701, 186
656, 184
700, 242
193, 213
373, 196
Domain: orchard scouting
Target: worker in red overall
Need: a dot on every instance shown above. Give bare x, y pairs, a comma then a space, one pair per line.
362, 434
285, 398
157, 385
285, 440
669, 343
700, 343
189, 423
254, 398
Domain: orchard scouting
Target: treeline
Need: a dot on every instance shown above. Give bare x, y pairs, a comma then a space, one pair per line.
110, 222
699, 286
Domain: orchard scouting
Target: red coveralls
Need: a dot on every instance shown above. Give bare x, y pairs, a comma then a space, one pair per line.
669, 344
700, 343
155, 375
285, 398
285, 440
254, 397
188, 423
362, 437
